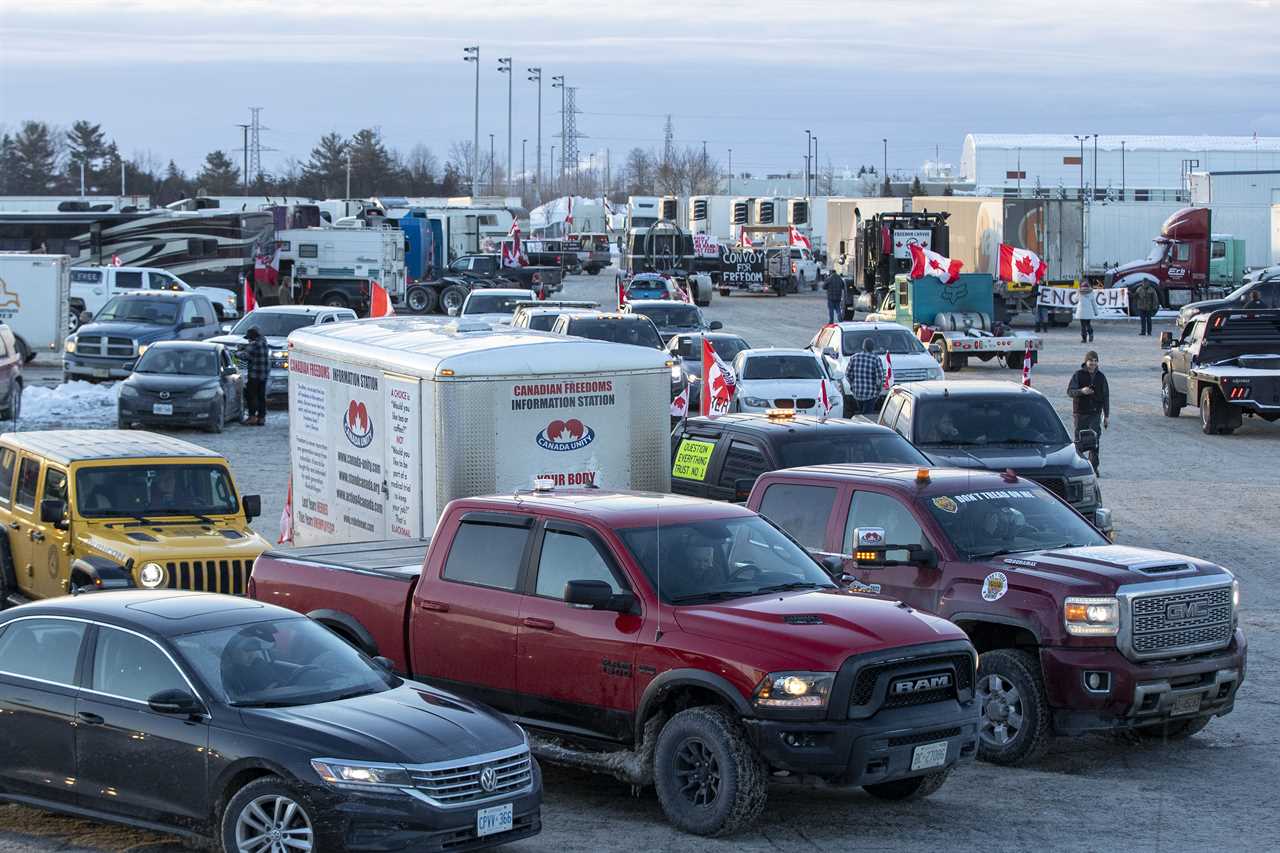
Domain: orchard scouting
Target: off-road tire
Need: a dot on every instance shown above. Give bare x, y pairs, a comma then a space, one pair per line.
1171, 730
453, 294
8, 575
914, 788
1171, 399
24, 351
1213, 419
324, 836
1022, 670
742, 778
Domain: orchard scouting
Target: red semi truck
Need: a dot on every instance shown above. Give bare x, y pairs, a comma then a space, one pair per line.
669, 641
1187, 261
1075, 634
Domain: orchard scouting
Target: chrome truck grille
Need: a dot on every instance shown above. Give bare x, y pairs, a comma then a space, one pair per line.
482, 777
1178, 623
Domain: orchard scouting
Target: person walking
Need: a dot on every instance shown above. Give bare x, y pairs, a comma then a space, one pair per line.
259, 366
1086, 311
1145, 301
1090, 402
865, 379
835, 296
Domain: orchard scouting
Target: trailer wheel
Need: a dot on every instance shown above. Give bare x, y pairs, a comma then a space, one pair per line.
451, 299
421, 300
1013, 360
1171, 399
949, 360
334, 299
1213, 420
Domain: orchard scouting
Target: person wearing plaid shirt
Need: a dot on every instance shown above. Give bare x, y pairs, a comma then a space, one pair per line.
865, 379
258, 366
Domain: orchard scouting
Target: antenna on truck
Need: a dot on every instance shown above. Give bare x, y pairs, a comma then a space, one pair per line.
658, 550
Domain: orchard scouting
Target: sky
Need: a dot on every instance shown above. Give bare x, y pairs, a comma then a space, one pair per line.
171, 79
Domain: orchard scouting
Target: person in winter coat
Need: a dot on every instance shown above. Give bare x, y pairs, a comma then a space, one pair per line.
1144, 300
1090, 401
1086, 312
835, 296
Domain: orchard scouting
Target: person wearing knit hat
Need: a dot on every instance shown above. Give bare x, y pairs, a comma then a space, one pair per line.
1090, 401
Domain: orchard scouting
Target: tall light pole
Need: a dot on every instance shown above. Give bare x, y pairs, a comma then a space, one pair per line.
730, 171
523, 174
1079, 138
1094, 192
816, 188
472, 54
551, 167
245, 128
504, 67
493, 178
886, 158
557, 82
535, 76
1122, 169
808, 148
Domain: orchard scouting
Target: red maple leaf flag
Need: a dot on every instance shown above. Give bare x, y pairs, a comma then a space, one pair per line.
1021, 265
1026, 365
798, 239
568, 216
680, 405
925, 262
718, 382
379, 301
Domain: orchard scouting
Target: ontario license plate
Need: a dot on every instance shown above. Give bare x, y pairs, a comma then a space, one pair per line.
929, 755
493, 820
162, 409
1186, 705
101, 373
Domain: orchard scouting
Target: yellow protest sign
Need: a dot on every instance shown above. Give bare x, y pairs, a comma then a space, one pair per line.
692, 459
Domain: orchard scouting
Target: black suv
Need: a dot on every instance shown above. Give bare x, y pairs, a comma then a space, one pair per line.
996, 425
1265, 281
720, 458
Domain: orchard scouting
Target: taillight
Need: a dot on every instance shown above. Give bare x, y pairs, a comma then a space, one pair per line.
793, 267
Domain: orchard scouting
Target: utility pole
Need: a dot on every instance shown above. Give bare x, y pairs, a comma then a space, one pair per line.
245, 128
82, 178
886, 158
522, 171
472, 54
535, 76
1081, 140
493, 177
730, 171
1094, 192
504, 67
348, 196
808, 148
1121, 170
816, 188
551, 167
557, 82
122, 192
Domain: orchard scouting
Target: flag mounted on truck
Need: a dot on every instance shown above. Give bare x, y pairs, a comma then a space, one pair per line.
1021, 265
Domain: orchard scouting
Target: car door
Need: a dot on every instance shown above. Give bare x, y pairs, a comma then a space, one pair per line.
232, 382
8, 472
575, 666
147, 765
49, 544
39, 659
189, 320
26, 534
1180, 354
915, 584
743, 460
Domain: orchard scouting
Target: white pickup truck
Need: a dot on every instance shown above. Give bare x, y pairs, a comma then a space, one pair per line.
92, 287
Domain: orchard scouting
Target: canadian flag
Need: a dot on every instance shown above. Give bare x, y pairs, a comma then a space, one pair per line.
744, 239
379, 301
568, 215
718, 382
826, 401
622, 293
266, 270
888, 371
1021, 265
512, 254
925, 262
286, 517
680, 405
1026, 365
798, 239
250, 301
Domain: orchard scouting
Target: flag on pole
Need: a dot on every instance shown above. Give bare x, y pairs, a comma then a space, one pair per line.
826, 401
888, 371
568, 216
680, 405
718, 382
622, 293
798, 239
512, 252
925, 262
1021, 265
1026, 365
250, 301
379, 301
286, 517
744, 239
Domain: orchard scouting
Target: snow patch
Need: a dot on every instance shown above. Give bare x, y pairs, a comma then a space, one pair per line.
71, 404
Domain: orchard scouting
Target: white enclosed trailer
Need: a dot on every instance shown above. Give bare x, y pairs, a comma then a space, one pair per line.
34, 291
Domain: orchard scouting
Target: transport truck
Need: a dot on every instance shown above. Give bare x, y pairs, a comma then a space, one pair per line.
336, 267
1187, 262
956, 320
390, 419
668, 641
1074, 634
446, 294
883, 250
34, 301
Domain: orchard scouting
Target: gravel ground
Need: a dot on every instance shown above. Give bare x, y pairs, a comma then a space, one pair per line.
1170, 487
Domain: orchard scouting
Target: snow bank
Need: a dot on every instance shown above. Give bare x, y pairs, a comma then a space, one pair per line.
70, 405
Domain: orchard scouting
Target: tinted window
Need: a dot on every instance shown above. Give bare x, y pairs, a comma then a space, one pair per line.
782, 367
857, 447
570, 557
272, 324
129, 280
155, 490
178, 362
308, 250
131, 667
1007, 419
802, 511
8, 462
28, 477
672, 315
868, 509
542, 322
895, 341
638, 331
1004, 521
160, 312
492, 303
742, 462
486, 554
42, 648
891, 409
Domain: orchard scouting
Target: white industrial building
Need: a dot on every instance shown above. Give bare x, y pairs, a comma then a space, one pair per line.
1129, 167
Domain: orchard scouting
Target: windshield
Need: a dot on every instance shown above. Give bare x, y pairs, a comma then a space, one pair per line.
272, 324
159, 312
782, 367
1157, 251
987, 524
638, 331
114, 491
671, 315
542, 322
492, 303
859, 447
647, 289
280, 663
721, 558
178, 362
1007, 419
895, 341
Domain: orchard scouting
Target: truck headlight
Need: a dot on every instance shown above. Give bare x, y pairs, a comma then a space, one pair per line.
1092, 617
799, 690
1235, 594
151, 575
127, 390
935, 372
142, 348
70, 345
279, 353
355, 774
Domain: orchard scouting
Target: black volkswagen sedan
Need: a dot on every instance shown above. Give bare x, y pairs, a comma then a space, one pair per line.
219, 717
183, 383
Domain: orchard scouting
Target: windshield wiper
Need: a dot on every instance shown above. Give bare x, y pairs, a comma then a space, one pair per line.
174, 511
1000, 553
721, 595
265, 704
783, 587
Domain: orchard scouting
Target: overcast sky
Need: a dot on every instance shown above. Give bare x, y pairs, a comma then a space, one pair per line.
175, 78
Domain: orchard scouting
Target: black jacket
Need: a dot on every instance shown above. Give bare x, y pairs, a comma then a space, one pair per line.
1089, 404
835, 288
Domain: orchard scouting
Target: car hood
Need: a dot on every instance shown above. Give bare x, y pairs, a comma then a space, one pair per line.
780, 388
169, 382
826, 627
166, 542
411, 724
491, 319
235, 341
1021, 458
138, 331
1103, 568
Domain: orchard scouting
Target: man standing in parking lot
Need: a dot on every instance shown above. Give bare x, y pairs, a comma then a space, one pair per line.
1145, 302
865, 378
1090, 401
255, 389
835, 295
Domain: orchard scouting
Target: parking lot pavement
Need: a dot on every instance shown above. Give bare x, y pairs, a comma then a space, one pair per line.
1170, 487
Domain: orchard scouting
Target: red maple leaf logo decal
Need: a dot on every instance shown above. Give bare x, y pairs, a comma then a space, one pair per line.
1024, 265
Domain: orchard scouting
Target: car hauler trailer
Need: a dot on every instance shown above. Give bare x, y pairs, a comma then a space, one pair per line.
391, 419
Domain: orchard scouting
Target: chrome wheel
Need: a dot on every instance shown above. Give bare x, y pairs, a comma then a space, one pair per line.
273, 824
1001, 710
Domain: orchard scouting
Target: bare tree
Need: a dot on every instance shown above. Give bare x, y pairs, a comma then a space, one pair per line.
639, 172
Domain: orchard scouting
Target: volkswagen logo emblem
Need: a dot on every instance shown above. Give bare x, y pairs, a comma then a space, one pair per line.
488, 779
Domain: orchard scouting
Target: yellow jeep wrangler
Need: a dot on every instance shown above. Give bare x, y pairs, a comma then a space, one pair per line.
109, 509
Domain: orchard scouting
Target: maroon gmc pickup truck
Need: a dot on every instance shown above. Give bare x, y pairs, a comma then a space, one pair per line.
1074, 634
668, 641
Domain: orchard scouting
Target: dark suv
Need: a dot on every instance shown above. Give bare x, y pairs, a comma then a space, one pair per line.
109, 346
996, 426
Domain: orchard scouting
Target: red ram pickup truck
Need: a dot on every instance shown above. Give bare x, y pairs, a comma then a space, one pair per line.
669, 641
1074, 634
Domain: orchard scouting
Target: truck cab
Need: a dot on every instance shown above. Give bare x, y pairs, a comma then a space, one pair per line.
1075, 634
1187, 261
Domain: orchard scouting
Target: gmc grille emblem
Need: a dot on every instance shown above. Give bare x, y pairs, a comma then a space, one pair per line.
1182, 610
920, 685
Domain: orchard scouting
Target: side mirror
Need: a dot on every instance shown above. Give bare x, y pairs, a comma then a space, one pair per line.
1087, 440
175, 701
1102, 520
597, 595
716, 326
86, 317
252, 505
830, 352
832, 564
385, 663
225, 328
52, 511
1166, 340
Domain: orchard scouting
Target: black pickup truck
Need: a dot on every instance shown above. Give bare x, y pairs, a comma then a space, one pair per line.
446, 294
1226, 362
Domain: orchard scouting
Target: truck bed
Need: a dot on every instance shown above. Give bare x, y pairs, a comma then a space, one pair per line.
401, 558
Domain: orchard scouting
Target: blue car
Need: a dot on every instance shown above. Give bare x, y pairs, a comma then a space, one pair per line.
108, 345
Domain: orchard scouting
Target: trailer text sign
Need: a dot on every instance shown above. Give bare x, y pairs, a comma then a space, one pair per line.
1064, 298
403, 417
565, 430
905, 238
706, 245
742, 268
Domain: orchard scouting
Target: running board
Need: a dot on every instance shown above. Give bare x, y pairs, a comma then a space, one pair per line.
634, 767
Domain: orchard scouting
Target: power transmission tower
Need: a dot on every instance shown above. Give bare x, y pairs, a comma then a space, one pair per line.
255, 145
569, 151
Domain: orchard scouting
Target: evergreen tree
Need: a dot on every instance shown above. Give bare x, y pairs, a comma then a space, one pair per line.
87, 146
916, 188
886, 189
34, 160
373, 171
8, 165
325, 174
219, 175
